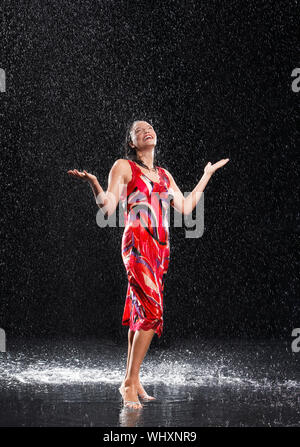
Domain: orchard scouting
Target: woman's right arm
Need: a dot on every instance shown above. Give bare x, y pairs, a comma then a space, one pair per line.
108, 201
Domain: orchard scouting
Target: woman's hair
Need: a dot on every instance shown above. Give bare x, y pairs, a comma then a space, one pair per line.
130, 152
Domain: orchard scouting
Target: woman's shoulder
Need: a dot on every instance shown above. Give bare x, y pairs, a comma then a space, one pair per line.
121, 162
123, 165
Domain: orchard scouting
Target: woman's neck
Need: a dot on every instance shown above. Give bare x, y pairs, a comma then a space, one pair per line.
147, 160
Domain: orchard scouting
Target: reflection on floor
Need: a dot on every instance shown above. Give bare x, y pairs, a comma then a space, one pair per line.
208, 383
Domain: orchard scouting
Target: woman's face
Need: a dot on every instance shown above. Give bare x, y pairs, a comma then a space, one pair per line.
143, 135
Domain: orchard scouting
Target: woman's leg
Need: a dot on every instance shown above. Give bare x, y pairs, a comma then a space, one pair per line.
130, 340
140, 389
139, 348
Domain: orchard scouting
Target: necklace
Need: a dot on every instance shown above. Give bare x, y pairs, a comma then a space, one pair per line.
149, 177
150, 169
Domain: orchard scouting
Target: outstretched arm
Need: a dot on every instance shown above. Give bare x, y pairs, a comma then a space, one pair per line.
185, 205
106, 201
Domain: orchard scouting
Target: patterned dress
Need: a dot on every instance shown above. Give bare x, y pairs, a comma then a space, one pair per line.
145, 249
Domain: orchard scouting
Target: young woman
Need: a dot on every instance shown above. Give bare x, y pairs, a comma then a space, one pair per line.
146, 189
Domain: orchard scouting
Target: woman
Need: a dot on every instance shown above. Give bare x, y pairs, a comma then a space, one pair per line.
145, 242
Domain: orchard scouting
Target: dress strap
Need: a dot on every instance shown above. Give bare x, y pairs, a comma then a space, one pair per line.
132, 164
134, 170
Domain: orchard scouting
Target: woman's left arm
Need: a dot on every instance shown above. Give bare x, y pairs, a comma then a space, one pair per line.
185, 205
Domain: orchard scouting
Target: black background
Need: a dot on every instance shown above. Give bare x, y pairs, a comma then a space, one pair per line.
214, 79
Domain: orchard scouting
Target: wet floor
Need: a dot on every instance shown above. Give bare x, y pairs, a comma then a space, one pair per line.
208, 383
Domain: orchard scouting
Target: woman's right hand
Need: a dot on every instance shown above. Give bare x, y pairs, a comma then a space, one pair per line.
85, 176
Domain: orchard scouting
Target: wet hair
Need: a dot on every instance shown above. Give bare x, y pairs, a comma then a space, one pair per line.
130, 152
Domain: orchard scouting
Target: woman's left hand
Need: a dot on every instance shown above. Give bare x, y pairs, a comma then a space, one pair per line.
85, 176
210, 169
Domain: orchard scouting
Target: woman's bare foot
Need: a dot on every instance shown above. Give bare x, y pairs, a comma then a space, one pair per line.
130, 396
140, 390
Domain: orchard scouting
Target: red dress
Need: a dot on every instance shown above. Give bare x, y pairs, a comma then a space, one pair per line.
145, 249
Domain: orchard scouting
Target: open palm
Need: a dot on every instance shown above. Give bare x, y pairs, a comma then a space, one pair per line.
210, 169
85, 176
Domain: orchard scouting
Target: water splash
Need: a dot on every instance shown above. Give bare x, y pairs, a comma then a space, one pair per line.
181, 367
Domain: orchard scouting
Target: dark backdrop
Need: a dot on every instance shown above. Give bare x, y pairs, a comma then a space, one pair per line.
214, 78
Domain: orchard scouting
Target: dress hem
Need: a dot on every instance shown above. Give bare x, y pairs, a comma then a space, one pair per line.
146, 326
